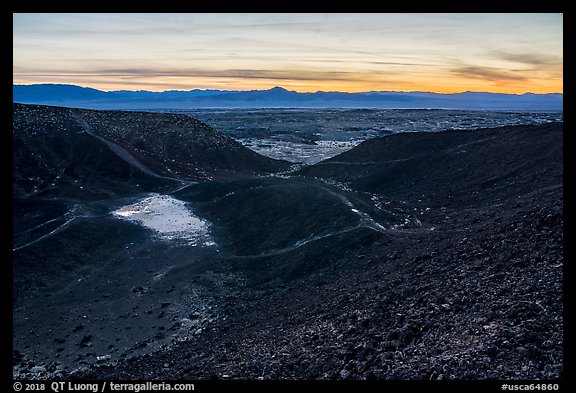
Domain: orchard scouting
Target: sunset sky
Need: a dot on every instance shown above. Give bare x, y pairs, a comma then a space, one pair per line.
446, 53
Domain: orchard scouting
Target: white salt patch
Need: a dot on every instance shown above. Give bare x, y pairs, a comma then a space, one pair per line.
169, 218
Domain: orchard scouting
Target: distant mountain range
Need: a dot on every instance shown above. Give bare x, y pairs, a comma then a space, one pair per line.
278, 97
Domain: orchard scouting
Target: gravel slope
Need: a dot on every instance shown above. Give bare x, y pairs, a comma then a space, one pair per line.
471, 290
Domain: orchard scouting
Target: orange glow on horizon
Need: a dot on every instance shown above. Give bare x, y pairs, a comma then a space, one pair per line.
443, 86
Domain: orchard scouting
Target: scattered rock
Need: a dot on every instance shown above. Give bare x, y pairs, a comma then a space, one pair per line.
38, 369
431, 306
86, 341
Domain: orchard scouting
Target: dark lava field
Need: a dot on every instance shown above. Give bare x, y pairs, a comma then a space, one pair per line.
152, 246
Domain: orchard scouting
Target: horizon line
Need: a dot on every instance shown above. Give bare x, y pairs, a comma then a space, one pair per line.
283, 88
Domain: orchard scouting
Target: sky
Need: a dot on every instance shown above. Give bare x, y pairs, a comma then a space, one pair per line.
444, 53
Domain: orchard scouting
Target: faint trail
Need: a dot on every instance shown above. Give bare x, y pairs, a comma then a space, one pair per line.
365, 162
55, 231
41, 225
365, 218
185, 184
454, 149
365, 222
118, 150
303, 242
125, 155
346, 163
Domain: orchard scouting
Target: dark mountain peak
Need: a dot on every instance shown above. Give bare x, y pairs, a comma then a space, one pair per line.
278, 89
56, 86
56, 92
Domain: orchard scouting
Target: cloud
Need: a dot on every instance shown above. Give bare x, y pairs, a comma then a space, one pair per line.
487, 73
531, 59
295, 75
398, 63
